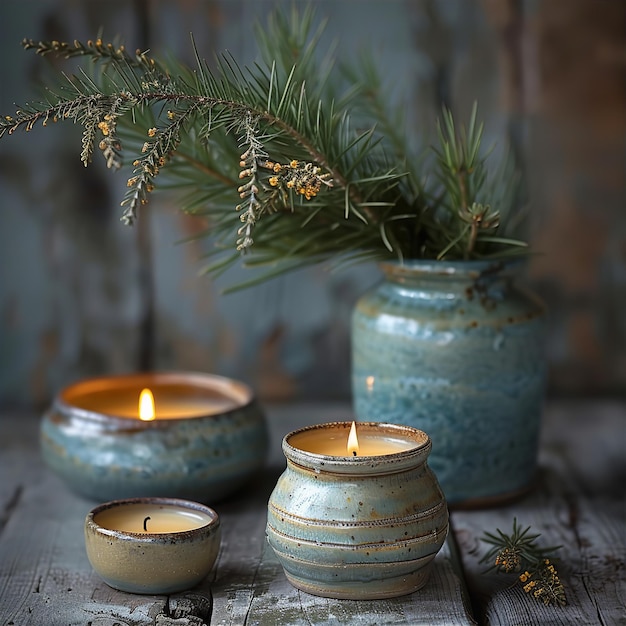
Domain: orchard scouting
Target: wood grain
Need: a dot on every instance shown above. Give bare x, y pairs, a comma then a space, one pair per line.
45, 577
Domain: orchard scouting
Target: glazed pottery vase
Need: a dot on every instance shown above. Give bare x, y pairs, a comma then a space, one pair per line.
456, 349
363, 527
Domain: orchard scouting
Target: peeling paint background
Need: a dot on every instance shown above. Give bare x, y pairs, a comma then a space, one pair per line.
82, 295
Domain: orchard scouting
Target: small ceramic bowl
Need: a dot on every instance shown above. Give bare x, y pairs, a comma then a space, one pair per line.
152, 545
208, 439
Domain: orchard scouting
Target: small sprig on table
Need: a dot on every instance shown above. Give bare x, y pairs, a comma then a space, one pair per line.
519, 553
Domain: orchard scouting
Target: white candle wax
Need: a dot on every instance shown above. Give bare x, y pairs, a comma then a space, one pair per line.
151, 518
335, 443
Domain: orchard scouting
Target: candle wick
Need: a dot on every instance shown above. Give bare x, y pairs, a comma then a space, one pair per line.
353, 452
145, 523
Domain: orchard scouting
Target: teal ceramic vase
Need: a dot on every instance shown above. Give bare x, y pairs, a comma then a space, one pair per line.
456, 349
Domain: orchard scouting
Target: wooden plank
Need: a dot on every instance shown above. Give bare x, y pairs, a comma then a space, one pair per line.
17, 441
275, 602
45, 576
578, 504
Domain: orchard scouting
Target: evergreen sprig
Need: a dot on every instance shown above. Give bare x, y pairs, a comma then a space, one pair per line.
519, 553
314, 173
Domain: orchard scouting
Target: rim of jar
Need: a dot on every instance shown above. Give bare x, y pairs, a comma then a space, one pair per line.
380, 464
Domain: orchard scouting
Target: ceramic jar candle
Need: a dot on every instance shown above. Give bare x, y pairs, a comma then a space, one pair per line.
207, 438
152, 545
344, 525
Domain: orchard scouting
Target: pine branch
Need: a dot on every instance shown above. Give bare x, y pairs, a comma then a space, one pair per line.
315, 173
520, 551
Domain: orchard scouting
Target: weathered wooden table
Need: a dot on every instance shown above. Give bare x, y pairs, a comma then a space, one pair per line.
46, 580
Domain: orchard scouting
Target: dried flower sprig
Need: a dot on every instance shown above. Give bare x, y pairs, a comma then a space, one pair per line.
249, 191
520, 552
95, 49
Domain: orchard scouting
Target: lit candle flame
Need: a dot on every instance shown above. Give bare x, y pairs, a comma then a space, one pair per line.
146, 406
353, 441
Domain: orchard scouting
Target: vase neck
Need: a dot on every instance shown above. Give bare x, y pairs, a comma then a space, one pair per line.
415, 273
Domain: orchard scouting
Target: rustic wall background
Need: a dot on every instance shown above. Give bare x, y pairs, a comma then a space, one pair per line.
80, 294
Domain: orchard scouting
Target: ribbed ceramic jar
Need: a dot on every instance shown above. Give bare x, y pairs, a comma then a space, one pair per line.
357, 527
204, 457
457, 350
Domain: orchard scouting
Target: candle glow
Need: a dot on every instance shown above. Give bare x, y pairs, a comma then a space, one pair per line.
353, 441
146, 406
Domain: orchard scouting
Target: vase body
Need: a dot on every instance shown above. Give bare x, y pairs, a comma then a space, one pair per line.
357, 528
456, 350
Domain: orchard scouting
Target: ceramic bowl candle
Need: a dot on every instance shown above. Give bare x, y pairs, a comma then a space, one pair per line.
357, 519
207, 437
152, 545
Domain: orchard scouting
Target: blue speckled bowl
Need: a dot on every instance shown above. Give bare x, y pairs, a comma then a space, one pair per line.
103, 453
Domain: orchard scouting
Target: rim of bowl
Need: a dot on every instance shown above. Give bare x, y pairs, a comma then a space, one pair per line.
237, 391
213, 524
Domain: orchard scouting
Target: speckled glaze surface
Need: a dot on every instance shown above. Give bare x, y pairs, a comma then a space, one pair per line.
105, 457
152, 564
357, 528
456, 349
